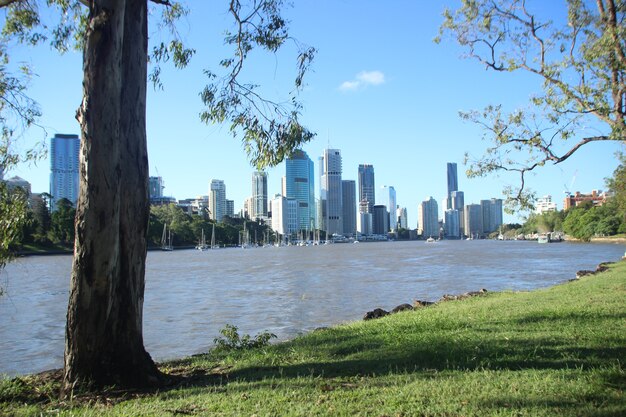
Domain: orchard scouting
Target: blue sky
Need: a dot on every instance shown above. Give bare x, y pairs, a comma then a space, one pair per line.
380, 91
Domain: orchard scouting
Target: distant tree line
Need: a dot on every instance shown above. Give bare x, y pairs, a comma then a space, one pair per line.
187, 228
46, 229
586, 221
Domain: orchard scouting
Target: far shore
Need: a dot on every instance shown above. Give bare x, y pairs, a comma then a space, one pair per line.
620, 239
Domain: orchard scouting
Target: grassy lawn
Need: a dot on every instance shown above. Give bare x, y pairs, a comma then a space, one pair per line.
558, 351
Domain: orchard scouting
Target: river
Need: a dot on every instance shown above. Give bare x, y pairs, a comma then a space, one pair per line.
190, 295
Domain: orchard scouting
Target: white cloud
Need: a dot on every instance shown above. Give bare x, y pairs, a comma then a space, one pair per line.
371, 77
349, 85
363, 79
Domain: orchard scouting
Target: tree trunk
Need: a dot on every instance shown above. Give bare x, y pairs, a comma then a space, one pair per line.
104, 339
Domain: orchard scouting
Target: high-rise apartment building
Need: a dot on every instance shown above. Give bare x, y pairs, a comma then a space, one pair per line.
299, 184
402, 217
545, 204
453, 183
330, 192
473, 221
155, 187
427, 218
230, 208
364, 219
452, 223
457, 202
259, 195
64, 166
217, 200
492, 214
387, 197
367, 185
348, 201
284, 215
380, 220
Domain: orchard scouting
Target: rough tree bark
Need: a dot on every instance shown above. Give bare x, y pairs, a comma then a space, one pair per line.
104, 337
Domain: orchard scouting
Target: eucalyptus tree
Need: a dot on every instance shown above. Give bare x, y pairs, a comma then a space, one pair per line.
581, 64
104, 339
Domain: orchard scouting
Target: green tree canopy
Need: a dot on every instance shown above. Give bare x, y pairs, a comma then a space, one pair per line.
580, 63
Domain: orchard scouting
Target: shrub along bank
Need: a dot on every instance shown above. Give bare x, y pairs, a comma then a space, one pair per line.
554, 351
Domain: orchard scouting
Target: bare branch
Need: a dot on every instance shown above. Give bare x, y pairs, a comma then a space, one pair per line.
163, 2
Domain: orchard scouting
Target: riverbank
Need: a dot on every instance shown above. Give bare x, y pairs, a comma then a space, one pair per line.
554, 351
618, 239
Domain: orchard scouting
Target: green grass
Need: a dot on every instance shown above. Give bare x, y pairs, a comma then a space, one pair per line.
552, 352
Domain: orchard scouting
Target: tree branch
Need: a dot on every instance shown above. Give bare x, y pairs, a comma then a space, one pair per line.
163, 2
4, 3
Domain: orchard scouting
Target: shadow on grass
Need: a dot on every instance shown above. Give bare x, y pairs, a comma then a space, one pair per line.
338, 353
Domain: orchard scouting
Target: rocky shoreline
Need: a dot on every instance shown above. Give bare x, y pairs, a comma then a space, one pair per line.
417, 304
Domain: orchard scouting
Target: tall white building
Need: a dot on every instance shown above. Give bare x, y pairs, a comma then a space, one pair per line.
259, 195
427, 218
331, 192
217, 200
364, 220
64, 165
284, 215
545, 204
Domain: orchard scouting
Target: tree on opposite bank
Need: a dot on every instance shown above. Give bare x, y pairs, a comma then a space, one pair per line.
581, 65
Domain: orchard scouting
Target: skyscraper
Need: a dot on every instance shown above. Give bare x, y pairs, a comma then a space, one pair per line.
453, 183
64, 165
491, 214
217, 200
230, 208
473, 220
452, 223
364, 219
457, 202
300, 185
427, 218
402, 217
380, 220
155, 187
387, 197
367, 186
284, 215
348, 200
330, 192
259, 195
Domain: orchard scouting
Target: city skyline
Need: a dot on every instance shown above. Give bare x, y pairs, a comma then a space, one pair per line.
363, 103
